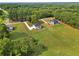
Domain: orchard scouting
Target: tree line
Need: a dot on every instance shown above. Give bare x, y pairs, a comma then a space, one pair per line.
67, 12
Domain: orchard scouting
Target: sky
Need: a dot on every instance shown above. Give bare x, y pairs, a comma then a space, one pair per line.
39, 0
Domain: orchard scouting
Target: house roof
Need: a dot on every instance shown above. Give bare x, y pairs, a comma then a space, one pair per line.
55, 20
37, 24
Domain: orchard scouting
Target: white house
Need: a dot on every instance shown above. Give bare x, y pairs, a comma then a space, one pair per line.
36, 26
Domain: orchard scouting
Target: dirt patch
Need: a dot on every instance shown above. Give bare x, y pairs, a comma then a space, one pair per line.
67, 26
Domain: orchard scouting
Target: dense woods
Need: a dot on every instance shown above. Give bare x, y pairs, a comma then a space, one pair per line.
66, 12
21, 47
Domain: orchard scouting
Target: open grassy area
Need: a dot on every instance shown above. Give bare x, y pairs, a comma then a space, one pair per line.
59, 40
19, 32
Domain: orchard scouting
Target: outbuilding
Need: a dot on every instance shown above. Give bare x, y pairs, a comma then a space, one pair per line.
9, 28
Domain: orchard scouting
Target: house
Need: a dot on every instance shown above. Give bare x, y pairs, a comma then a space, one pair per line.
36, 26
55, 21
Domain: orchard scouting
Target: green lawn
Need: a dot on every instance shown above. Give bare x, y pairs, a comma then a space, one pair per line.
58, 39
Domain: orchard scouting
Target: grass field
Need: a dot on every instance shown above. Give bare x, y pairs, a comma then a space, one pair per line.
59, 40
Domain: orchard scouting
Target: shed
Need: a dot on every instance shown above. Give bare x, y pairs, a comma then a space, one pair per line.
9, 28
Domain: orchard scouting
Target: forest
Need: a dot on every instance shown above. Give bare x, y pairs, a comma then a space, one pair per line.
27, 45
66, 12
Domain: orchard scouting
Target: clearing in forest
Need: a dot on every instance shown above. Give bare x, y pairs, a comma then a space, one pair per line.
59, 40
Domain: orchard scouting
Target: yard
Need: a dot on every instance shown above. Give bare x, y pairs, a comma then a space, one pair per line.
58, 39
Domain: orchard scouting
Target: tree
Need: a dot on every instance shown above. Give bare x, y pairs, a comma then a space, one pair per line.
23, 47
33, 19
1, 12
3, 31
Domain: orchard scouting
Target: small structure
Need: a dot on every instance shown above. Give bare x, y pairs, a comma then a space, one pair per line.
9, 28
36, 26
55, 21
0, 8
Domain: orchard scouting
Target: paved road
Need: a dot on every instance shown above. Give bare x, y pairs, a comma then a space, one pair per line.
14, 23
44, 21
30, 28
